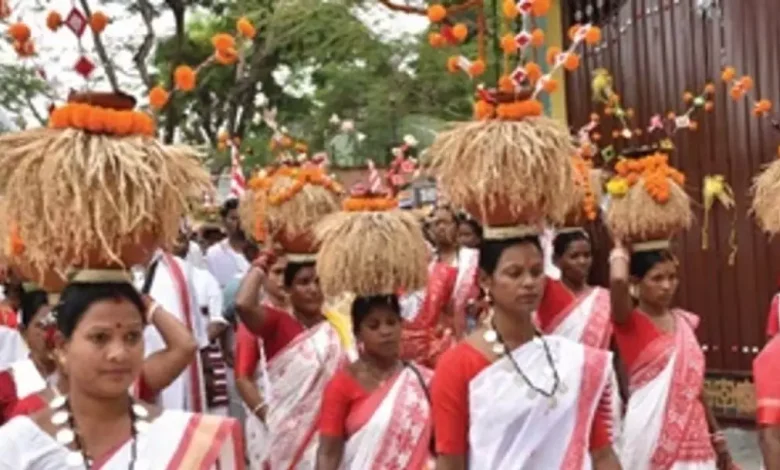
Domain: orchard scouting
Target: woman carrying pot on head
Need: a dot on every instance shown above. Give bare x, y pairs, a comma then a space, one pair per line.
159, 369
251, 366
97, 423
509, 397
441, 318
379, 400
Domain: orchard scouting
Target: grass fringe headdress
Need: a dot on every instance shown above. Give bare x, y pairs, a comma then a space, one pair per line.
371, 247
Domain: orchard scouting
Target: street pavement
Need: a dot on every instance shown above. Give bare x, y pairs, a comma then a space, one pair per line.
744, 448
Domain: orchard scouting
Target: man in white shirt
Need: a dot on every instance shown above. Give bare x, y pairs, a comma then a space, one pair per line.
169, 281
226, 259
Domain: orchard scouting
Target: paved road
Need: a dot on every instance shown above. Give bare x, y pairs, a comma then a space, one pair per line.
744, 448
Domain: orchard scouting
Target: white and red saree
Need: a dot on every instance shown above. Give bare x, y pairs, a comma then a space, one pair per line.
665, 426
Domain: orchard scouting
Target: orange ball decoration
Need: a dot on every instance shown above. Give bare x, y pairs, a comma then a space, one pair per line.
98, 22
436, 39
245, 28
19, 32
184, 77
158, 97
571, 62
436, 13
552, 54
506, 84
540, 7
223, 42
593, 36
53, 20
508, 44
509, 8
537, 38
477, 68
453, 65
460, 32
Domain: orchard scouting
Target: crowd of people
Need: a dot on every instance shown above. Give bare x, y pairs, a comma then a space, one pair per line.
597, 378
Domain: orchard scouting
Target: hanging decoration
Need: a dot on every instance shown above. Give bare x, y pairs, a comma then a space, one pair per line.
716, 189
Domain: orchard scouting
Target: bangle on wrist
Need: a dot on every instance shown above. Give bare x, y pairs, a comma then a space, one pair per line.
618, 255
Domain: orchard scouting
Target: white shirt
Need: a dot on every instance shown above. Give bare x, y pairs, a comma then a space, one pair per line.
165, 291
195, 256
208, 294
225, 263
12, 347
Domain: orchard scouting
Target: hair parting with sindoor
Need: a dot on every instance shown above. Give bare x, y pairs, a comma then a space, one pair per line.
78, 297
490, 251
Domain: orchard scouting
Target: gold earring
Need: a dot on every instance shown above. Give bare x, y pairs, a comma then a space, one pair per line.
633, 291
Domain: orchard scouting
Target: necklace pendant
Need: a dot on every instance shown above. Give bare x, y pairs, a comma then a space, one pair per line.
553, 402
59, 418
74, 459
139, 411
490, 336
65, 436
57, 402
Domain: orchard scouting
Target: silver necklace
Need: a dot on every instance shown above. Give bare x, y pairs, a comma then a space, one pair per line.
498, 346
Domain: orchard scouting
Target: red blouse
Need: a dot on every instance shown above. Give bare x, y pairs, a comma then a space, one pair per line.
341, 394
278, 330
633, 336
556, 298
450, 397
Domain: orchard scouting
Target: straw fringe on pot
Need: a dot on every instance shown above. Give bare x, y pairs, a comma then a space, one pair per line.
584, 197
490, 166
766, 198
251, 213
306, 205
75, 198
638, 217
371, 253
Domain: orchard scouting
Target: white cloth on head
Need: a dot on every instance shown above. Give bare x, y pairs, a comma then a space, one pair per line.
550, 269
225, 263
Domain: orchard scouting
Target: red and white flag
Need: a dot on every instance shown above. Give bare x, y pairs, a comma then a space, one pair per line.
237, 181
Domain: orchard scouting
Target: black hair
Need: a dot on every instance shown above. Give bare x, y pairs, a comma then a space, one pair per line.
563, 240
229, 205
292, 269
78, 297
31, 302
470, 221
490, 251
362, 306
643, 261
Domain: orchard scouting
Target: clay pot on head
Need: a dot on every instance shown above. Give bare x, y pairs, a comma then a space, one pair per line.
501, 214
49, 279
110, 100
132, 253
301, 242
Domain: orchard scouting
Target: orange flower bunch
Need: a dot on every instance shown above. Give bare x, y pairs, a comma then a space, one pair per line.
22, 39
582, 168
97, 120
369, 203
514, 111
226, 52
654, 170
740, 87
302, 175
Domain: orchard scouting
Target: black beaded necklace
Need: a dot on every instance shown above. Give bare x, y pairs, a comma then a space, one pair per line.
519, 370
80, 445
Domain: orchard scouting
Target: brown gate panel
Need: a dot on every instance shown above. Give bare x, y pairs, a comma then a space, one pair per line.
656, 50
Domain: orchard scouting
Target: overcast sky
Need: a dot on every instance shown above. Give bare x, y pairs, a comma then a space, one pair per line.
59, 51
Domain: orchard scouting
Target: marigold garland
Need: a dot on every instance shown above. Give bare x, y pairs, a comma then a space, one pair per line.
302, 175
371, 203
99, 120
654, 170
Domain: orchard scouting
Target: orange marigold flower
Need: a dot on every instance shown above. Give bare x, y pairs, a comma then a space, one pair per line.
762, 107
452, 64
436, 13
572, 32
537, 37
460, 32
223, 42
19, 32
595, 117
477, 68
687, 96
96, 120
746, 82
98, 21
533, 71
709, 106
226, 57
158, 97
435, 39
245, 28
509, 8
593, 36
59, 118
540, 7
506, 84
571, 62
736, 93
709, 89
550, 85
728, 74
53, 20
508, 44
552, 54
693, 125
184, 78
